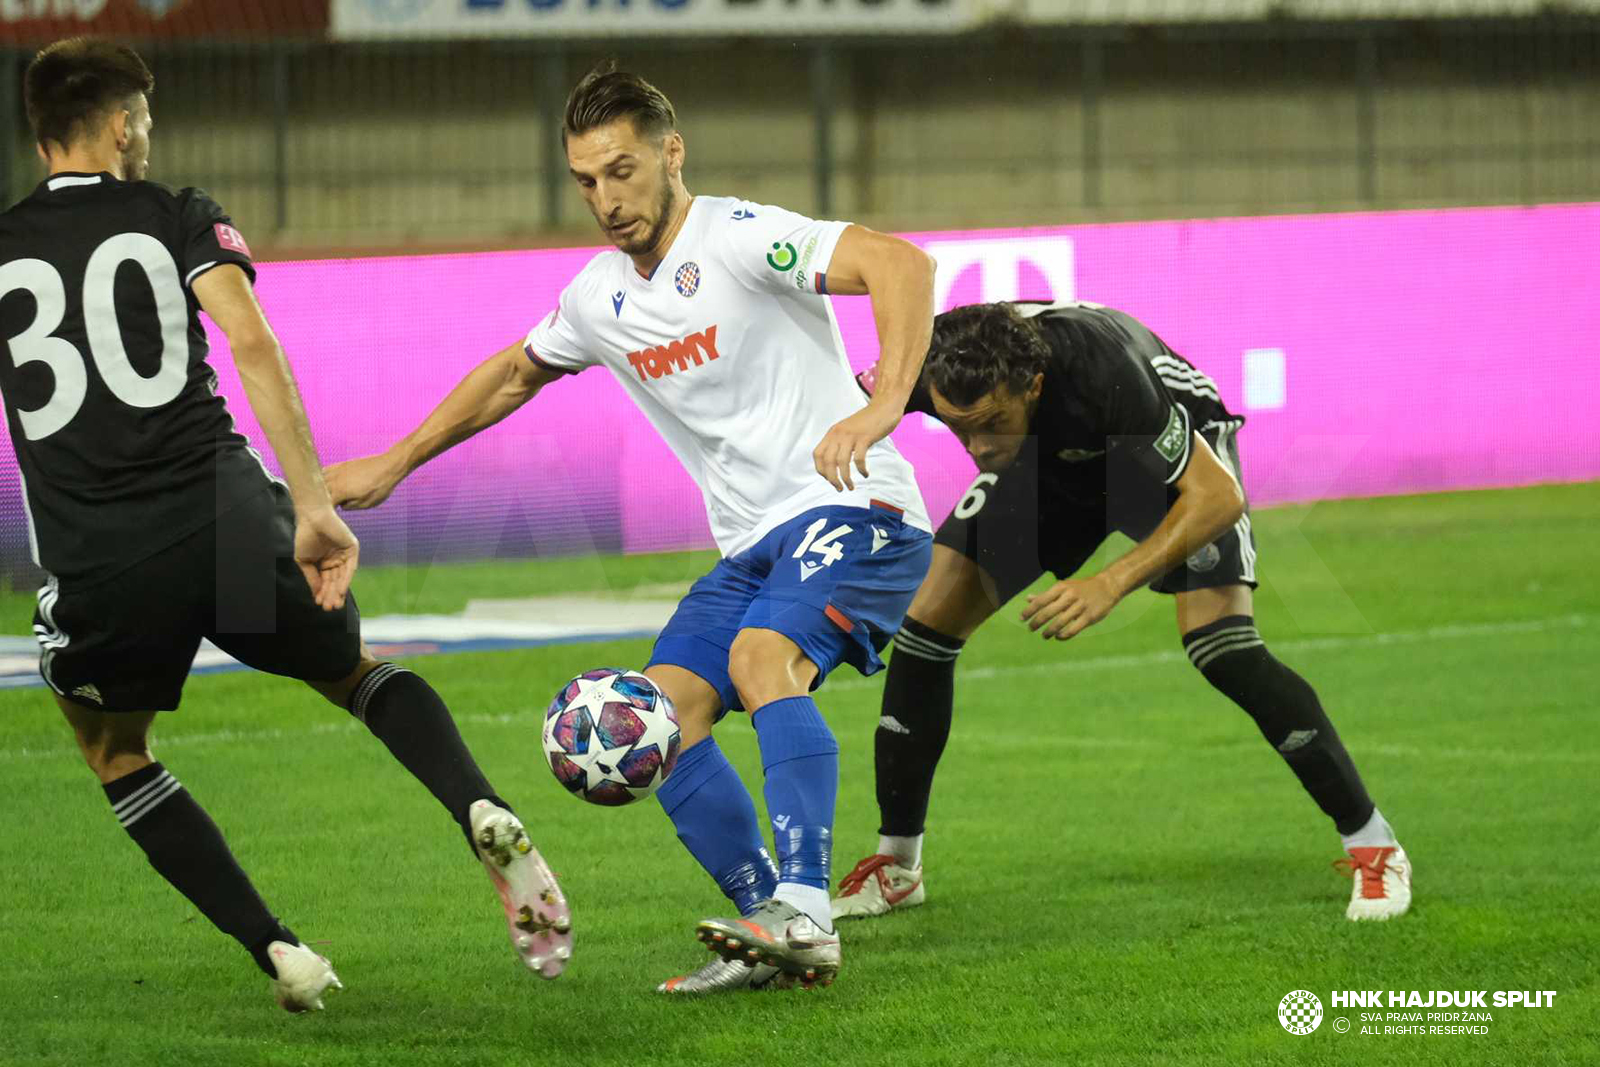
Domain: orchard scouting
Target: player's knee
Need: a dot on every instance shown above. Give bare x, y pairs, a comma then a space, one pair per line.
112, 753
339, 692
695, 701
695, 720
955, 598
765, 666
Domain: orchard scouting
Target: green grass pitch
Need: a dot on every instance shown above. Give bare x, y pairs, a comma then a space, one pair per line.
1119, 870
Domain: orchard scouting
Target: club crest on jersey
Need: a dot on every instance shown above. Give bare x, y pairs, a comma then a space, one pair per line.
688, 278
697, 349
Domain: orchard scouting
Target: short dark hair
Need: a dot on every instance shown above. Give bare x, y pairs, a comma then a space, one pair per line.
981, 347
75, 82
607, 94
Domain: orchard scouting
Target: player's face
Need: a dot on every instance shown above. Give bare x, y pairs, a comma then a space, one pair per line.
993, 428
627, 181
136, 148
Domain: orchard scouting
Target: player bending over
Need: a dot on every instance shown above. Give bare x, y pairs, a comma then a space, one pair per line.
1082, 421
712, 314
157, 524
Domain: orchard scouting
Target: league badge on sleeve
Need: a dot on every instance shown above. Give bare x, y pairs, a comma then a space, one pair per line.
1174, 439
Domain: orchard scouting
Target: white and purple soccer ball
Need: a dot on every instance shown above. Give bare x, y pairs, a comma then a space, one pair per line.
611, 736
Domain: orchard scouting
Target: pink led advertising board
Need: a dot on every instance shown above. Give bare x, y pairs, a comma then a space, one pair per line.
1372, 354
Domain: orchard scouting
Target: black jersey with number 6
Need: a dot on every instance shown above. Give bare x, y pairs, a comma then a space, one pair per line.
1117, 415
123, 443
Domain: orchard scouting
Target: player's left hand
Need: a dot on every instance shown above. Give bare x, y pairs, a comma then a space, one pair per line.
847, 442
327, 554
1070, 606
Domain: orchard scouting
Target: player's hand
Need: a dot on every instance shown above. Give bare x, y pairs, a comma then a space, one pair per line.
846, 444
1070, 606
361, 483
325, 551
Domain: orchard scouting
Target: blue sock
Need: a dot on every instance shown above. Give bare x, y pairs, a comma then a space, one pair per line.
716, 821
801, 759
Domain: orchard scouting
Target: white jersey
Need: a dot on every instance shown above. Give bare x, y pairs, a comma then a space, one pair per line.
732, 352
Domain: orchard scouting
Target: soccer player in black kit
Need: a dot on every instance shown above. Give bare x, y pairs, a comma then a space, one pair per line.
1081, 422
157, 524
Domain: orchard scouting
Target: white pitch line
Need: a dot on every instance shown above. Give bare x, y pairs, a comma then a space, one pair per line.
1305, 644
983, 739
978, 738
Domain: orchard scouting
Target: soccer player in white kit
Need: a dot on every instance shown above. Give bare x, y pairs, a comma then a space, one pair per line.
713, 315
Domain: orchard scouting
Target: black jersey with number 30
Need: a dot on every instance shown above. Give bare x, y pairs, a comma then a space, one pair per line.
123, 443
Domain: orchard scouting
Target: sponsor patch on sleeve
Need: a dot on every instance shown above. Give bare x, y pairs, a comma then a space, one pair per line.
1172, 440
231, 239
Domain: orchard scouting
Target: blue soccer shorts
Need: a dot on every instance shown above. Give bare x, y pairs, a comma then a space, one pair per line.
836, 581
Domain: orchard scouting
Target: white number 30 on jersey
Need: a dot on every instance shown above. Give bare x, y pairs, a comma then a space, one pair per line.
37, 343
827, 547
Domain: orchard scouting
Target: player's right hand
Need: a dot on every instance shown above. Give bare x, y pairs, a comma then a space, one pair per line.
361, 483
326, 552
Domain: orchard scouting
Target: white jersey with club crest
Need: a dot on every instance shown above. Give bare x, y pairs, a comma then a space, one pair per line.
731, 350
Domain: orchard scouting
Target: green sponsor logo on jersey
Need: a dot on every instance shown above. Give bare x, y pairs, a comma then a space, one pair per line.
783, 256
1170, 443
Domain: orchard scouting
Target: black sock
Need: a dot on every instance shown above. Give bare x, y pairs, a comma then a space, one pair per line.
406, 714
918, 702
1233, 658
186, 848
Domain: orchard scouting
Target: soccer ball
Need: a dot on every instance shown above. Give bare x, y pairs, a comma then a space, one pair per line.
611, 736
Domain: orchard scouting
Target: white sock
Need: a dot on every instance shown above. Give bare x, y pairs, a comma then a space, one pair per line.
907, 851
1377, 833
809, 899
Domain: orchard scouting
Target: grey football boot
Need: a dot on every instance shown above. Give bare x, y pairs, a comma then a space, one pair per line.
725, 976
779, 935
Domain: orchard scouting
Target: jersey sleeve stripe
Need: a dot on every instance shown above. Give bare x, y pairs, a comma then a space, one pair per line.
1171, 371
1184, 385
547, 366
188, 280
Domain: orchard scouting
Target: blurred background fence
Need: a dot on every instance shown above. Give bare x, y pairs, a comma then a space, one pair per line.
398, 124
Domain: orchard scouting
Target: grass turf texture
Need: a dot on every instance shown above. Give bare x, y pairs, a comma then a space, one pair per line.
1120, 871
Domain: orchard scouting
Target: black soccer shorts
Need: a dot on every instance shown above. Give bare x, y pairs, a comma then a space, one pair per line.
1011, 526
127, 643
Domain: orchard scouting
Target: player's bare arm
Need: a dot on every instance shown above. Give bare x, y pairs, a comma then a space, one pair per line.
494, 389
898, 276
1209, 501
325, 549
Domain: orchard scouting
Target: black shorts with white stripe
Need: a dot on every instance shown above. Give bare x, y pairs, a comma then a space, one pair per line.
1015, 530
1231, 558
